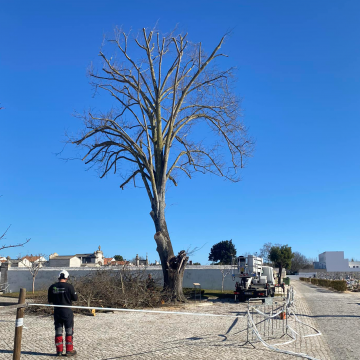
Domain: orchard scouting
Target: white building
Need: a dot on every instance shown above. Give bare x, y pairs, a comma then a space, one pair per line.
354, 264
90, 259
26, 261
19, 262
335, 261
64, 261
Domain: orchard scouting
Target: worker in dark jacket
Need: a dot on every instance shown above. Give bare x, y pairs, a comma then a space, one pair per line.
62, 293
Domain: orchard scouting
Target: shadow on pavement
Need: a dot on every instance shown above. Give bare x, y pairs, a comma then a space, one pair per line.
8, 303
27, 353
328, 316
192, 341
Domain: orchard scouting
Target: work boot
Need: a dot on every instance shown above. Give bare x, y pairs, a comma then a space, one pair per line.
59, 345
71, 353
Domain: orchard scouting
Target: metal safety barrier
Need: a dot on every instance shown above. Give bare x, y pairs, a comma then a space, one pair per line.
265, 322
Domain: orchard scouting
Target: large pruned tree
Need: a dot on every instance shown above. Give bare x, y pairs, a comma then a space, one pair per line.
161, 94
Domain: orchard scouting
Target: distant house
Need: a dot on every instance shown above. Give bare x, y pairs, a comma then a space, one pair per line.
18, 262
141, 262
108, 261
122, 263
77, 260
25, 261
113, 262
64, 261
354, 264
29, 259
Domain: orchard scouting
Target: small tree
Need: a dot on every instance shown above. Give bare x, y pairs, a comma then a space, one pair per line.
34, 264
223, 252
118, 258
224, 272
281, 256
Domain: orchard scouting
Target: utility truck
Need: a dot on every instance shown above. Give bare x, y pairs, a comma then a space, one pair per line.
255, 279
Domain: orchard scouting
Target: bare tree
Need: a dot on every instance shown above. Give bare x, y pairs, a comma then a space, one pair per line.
224, 272
3, 237
175, 112
33, 264
265, 252
299, 261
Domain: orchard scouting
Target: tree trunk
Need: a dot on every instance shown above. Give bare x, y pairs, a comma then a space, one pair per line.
33, 285
173, 267
279, 276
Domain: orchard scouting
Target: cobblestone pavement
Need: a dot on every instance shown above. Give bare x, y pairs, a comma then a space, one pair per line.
338, 316
122, 335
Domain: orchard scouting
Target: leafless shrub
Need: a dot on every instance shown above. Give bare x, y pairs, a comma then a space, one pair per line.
120, 288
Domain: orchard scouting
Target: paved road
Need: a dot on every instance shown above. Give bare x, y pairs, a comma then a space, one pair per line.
338, 318
144, 336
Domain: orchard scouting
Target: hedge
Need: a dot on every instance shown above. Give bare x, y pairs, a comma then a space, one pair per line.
324, 282
339, 285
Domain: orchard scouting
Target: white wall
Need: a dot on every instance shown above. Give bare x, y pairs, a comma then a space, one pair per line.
75, 262
208, 276
307, 274
72, 262
335, 261
24, 263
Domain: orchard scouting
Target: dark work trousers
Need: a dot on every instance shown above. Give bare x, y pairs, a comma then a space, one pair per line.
66, 321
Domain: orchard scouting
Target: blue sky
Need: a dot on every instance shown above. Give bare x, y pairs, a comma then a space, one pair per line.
298, 75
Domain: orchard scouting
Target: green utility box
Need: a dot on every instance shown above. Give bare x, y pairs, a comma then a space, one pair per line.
287, 281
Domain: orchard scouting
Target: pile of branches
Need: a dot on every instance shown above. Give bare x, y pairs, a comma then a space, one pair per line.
120, 288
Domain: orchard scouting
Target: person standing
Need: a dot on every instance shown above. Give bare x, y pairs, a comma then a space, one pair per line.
62, 293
